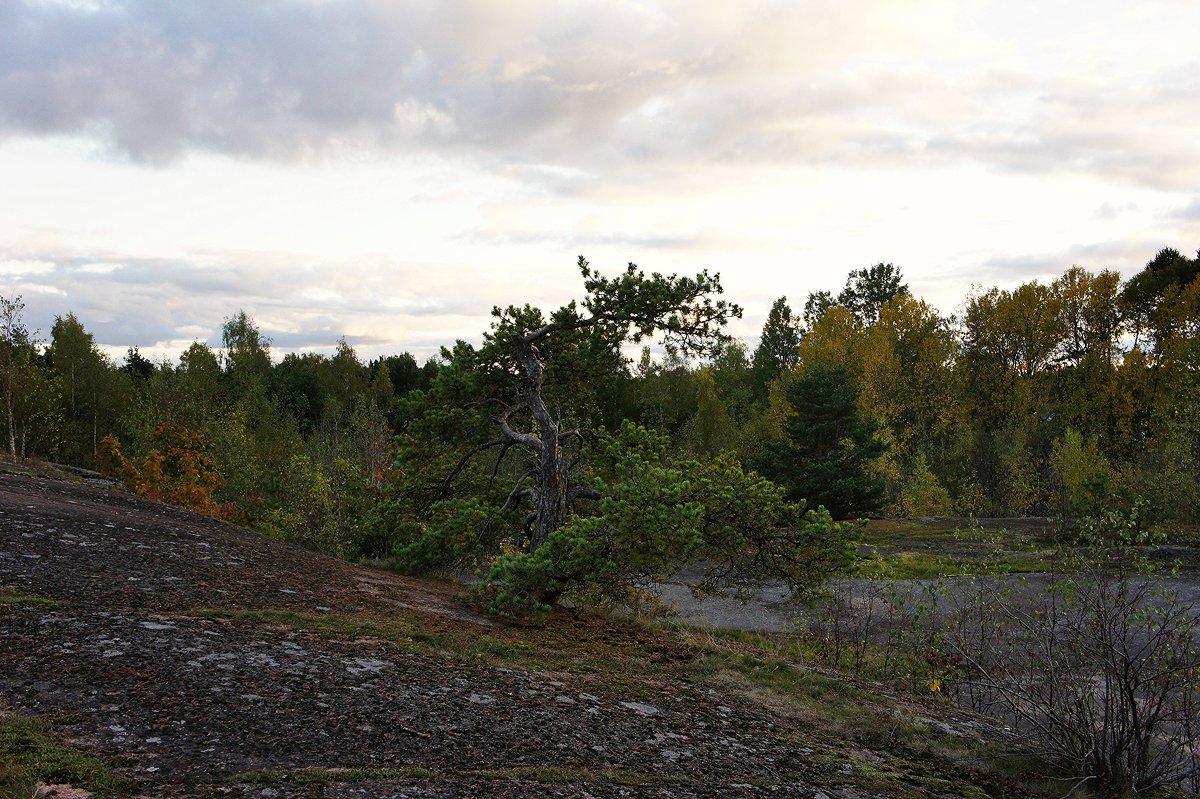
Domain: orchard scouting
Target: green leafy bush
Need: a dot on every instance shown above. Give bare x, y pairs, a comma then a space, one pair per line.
654, 515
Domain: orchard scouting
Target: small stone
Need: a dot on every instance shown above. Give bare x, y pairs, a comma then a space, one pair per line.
153, 625
61, 791
369, 665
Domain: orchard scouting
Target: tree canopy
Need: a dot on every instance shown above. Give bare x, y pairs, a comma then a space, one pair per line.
779, 348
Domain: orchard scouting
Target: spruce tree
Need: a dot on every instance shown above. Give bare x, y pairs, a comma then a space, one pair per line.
827, 446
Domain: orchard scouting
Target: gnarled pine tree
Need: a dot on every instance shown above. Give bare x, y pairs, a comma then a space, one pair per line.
629, 307
574, 508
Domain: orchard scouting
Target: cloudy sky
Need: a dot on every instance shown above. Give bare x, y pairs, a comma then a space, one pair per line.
388, 171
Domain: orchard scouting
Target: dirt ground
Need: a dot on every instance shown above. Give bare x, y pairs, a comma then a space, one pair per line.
206, 660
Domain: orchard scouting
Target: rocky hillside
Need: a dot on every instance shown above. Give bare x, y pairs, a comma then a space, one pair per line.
149, 651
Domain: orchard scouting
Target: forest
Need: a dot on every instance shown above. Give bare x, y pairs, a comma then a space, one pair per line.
1056, 399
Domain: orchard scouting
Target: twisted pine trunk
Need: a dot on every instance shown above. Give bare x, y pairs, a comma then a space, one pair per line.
552, 494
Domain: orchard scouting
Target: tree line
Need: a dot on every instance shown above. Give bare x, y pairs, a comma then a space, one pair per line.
1055, 399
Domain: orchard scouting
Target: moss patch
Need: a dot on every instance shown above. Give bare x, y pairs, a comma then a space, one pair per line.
14, 598
913, 565
29, 754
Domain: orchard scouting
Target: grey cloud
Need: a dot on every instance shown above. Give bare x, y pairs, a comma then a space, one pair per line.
600, 86
319, 337
271, 78
565, 240
119, 312
138, 321
594, 88
1189, 212
1110, 211
145, 301
190, 280
288, 79
1140, 131
946, 286
1126, 256
1139, 160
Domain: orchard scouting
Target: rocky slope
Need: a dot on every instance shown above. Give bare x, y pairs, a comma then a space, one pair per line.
201, 659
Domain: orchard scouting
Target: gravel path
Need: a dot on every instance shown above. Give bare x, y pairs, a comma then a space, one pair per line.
771, 610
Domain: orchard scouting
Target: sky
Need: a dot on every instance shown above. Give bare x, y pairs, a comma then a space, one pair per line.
388, 171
